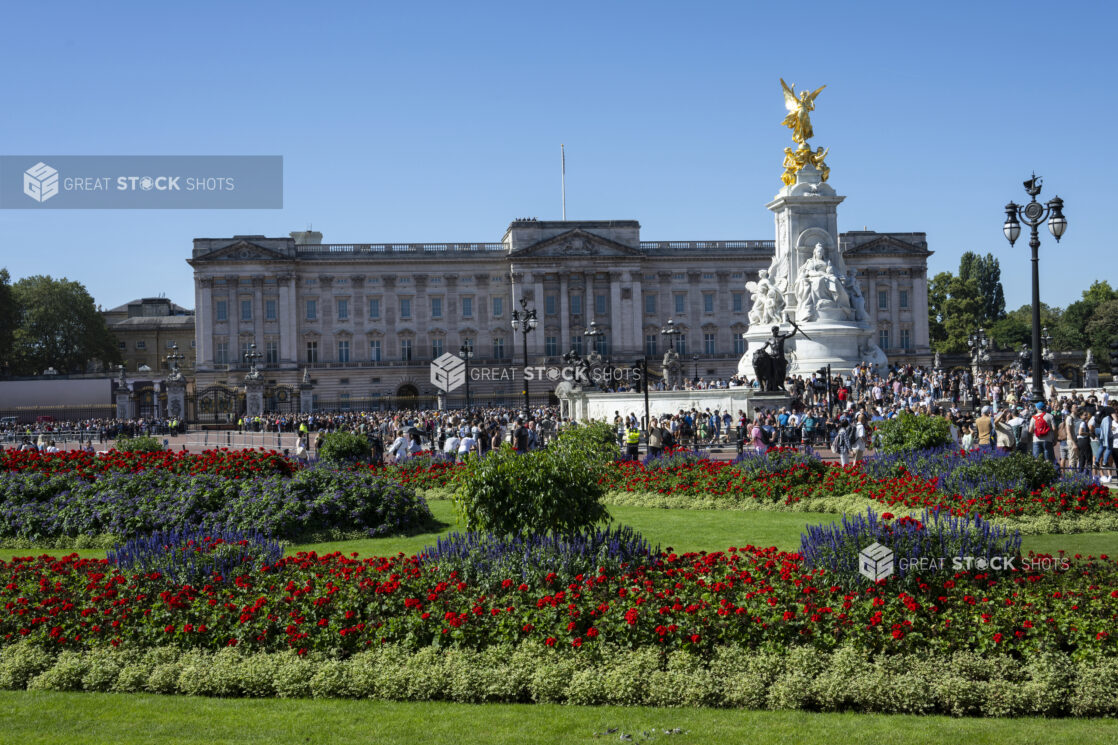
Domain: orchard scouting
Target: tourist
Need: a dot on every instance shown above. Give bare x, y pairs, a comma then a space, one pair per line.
984, 427
1043, 431
841, 444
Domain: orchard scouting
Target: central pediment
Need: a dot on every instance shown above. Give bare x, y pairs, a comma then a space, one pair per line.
242, 250
576, 243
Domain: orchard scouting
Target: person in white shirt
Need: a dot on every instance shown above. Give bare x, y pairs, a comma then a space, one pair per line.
450, 447
466, 445
399, 449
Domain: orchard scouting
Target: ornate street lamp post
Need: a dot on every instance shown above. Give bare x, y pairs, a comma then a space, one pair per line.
466, 352
524, 320
1033, 214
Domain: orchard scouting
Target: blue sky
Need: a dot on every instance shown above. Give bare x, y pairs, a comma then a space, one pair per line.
434, 121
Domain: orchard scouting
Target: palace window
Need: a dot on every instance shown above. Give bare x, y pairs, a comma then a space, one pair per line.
221, 353
551, 305
312, 310
343, 350
436, 307
739, 301
577, 345
904, 298
498, 307
883, 299
467, 307
650, 344
681, 344
499, 348
312, 351
405, 349
649, 304
270, 310
437, 348
374, 308
681, 302
246, 310
708, 344
739, 344
600, 304
906, 340
222, 312
141, 345
708, 302
883, 338
405, 308
374, 350
343, 309
576, 305
551, 346
271, 352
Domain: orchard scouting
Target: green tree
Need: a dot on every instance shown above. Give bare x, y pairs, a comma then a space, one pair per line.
1102, 328
58, 327
961, 313
937, 299
1072, 329
987, 272
9, 317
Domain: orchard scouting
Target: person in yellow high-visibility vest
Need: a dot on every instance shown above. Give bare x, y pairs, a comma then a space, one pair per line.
633, 442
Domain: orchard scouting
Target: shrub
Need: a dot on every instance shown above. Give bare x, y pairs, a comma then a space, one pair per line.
195, 555
139, 445
907, 431
556, 490
488, 559
344, 447
596, 441
918, 546
315, 503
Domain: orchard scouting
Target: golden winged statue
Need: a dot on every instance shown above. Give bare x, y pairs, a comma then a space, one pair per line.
798, 119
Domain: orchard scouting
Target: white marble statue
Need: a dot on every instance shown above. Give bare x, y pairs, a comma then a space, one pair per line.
857, 299
818, 289
767, 300
870, 352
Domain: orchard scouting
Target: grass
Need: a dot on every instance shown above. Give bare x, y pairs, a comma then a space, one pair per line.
683, 530
38, 718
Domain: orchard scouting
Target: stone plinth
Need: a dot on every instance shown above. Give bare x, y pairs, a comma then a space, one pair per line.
176, 398
254, 396
586, 405
123, 404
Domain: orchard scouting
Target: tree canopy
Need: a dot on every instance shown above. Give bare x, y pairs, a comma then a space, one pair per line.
56, 325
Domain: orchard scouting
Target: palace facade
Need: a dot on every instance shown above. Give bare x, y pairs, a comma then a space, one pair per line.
366, 319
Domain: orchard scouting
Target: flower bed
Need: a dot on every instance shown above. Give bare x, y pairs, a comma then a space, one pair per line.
227, 463
315, 503
695, 603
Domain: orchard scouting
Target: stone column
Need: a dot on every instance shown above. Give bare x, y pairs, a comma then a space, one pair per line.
258, 312
453, 316
920, 330
564, 315
535, 339
289, 327
203, 323
637, 308
895, 308
306, 396
694, 317
724, 313
619, 340
421, 312
233, 305
389, 350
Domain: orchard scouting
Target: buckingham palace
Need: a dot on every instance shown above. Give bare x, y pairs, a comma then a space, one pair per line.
363, 320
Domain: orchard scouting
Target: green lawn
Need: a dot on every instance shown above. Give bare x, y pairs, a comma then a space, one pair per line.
35, 718
683, 530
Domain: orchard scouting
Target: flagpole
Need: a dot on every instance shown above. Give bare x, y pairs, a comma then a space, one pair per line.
563, 178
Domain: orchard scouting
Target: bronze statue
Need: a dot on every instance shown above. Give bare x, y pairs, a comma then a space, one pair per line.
799, 119
771, 367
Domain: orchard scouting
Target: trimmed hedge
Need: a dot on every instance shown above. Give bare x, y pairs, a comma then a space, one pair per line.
962, 684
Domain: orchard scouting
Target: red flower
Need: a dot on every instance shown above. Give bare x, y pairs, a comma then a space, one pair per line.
550, 641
